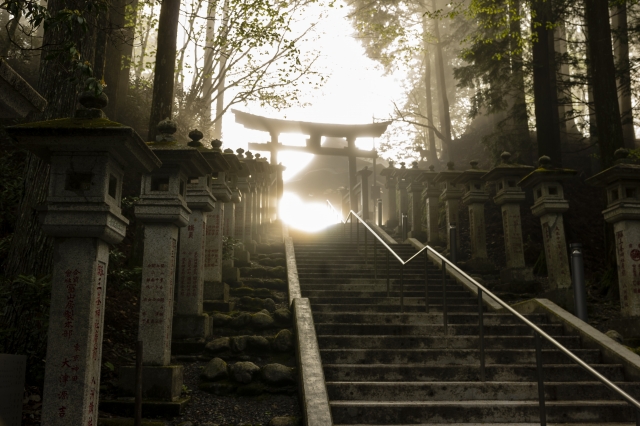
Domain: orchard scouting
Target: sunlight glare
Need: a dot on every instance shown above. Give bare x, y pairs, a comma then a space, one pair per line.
309, 217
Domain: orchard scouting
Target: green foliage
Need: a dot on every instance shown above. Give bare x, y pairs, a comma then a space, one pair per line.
228, 246
120, 275
24, 303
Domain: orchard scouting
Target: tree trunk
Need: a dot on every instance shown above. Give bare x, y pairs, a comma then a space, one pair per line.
222, 73
544, 85
445, 121
118, 57
207, 71
432, 156
31, 252
605, 93
565, 108
143, 46
519, 113
621, 51
162, 101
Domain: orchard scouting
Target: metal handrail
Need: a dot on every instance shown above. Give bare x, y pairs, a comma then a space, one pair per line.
481, 289
335, 212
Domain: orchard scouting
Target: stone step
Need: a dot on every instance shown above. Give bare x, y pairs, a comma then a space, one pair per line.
442, 357
432, 329
417, 307
395, 293
421, 318
467, 300
466, 373
437, 412
438, 342
472, 391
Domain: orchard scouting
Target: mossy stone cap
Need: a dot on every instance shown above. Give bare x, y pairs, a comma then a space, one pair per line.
506, 157
167, 126
195, 136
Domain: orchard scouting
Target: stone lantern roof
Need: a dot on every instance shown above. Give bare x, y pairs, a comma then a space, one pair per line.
88, 131
474, 173
625, 168
507, 169
545, 173
448, 175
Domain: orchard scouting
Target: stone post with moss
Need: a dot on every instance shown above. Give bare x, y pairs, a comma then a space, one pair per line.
88, 155
549, 204
475, 196
622, 183
163, 210
509, 196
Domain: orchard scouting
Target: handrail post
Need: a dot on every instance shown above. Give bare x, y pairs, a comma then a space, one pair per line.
481, 335
350, 228
543, 410
358, 236
426, 282
453, 245
375, 259
366, 250
388, 279
444, 298
402, 287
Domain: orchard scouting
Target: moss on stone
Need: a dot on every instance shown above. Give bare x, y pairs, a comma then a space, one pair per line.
72, 123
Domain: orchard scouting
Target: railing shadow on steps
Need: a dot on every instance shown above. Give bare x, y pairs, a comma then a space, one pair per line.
484, 295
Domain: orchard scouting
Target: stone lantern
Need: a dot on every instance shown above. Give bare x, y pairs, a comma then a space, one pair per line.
415, 187
402, 195
364, 192
189, 320
163, 210
250, 198
505, 176
549, 204
88, 155
451, 194
475, 196
431, 195
390, 184
241, 208
261, 171
229, 272
216, 293
622, 183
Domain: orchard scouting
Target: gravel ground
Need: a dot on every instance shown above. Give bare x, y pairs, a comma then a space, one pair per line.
222, 410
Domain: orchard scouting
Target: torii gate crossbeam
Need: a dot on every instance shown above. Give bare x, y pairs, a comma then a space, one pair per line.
315, 131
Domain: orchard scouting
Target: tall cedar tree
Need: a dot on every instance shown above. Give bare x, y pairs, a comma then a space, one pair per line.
31, 252
545, 89
165, 68
605, 93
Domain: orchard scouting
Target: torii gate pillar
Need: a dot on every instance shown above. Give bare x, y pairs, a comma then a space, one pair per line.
353, 177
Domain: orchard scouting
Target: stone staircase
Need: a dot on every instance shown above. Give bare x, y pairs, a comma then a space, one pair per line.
382, 366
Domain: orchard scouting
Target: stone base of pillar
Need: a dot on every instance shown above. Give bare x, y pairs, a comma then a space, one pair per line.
218, 306
508, 275
150, 409
629, 327
391, 223
191, 327
480, 265
216, 291
162, 383
243, 256
230, 274
562, 297
418, 235
251, 246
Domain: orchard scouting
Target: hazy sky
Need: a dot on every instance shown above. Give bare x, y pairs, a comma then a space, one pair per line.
355, 92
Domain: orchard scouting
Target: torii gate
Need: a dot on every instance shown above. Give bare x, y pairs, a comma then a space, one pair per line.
315, 131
